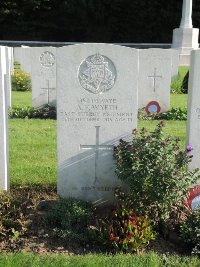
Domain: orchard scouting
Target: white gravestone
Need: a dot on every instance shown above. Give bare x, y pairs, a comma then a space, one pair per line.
4, 181
175, 62
8, 77
22, 56
193, 121
96, 106
6, 71
43, 76
155, 70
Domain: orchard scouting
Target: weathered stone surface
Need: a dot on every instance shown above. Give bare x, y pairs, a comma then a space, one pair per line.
43, 76
96, 106
193, 121
155, 68
4, 181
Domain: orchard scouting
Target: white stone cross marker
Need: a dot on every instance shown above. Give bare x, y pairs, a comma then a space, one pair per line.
48, 88
186, 21
96, 147
154, 79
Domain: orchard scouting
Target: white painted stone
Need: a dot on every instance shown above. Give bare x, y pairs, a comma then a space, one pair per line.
175, 62
186, 37
11, 58
8, 78
22, 56
17, 54
186, 21
155, 70
6, 72
96, 106
43, 76
193, 122
4, 180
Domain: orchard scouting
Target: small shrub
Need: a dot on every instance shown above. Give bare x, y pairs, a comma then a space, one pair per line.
70, 218
124, 231
178, 114
12, 219
46, 112
156, 171
190, 231
21, 81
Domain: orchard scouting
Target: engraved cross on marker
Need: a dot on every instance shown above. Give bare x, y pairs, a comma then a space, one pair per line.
96, 148
48, 89
154, 79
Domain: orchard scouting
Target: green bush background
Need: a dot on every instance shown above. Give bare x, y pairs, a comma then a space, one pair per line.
93, 20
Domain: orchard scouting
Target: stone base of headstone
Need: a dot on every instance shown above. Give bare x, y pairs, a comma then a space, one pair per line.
185, 39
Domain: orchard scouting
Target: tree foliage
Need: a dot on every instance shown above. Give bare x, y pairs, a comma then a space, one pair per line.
92, 20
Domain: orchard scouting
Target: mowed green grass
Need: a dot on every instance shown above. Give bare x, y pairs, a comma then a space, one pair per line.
33, 158
32, 143
146, 260
178, 101
21, 99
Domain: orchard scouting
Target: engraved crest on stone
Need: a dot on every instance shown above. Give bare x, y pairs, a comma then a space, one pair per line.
97, 74
47, 59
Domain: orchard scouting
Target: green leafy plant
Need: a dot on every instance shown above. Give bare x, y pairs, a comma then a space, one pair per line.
12, 218
70, 219
176, 85
155, 169
124, 231
179, 84
178, 114
190, 231
46, 112
21, 81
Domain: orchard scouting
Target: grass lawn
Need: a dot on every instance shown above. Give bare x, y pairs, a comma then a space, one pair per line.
179, 100
21, 99
147, 260
33, 143
182, 71
33, 148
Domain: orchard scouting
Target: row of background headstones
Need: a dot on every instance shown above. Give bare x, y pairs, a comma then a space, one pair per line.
193, 118
156, 69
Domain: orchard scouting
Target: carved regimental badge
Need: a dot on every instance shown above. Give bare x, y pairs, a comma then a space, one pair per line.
97, 74
47, 59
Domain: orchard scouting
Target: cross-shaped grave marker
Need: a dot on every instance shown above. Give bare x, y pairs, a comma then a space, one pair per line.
48, 89
96, 148
154, 78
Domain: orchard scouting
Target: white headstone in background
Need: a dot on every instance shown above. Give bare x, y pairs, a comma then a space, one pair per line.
193, 121
96, 106
4, 181
22, 56
175, 62
11, 58
6, 72
155, 68
8, 77
43, 76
